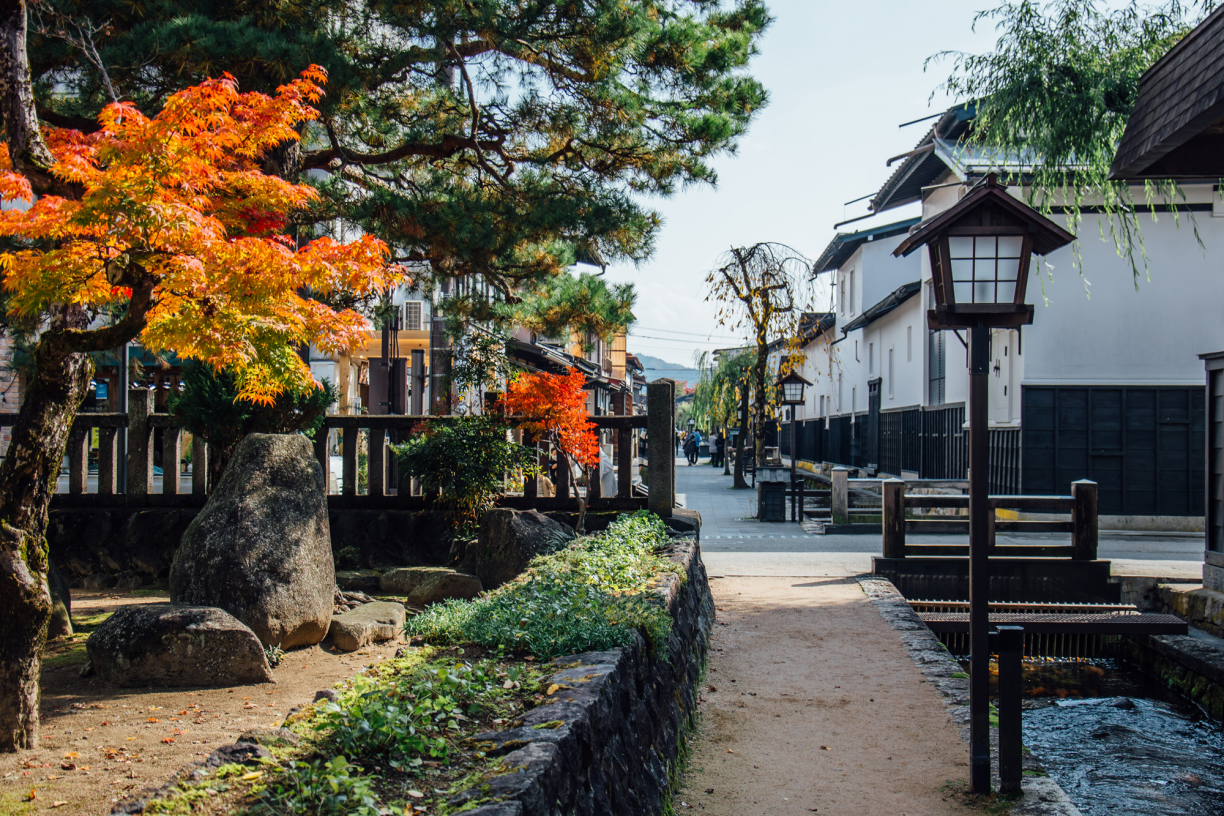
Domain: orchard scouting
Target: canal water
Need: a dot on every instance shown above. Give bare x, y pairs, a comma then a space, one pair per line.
1121, 744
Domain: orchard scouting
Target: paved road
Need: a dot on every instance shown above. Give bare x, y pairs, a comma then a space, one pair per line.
732, 543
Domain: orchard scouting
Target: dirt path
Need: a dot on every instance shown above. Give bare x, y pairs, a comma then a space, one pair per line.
813, 706
100, 743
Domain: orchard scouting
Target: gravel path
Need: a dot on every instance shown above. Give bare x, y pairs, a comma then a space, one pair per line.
812, 705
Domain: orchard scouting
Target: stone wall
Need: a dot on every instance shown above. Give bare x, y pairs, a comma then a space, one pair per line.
608, 740
129, 548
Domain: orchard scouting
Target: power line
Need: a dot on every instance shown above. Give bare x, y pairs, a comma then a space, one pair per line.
680, 339
677, 331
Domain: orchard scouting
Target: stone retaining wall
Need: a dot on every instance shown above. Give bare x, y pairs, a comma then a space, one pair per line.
608, 740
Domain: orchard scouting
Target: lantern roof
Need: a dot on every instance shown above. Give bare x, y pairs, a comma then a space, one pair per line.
794, 376
988, 204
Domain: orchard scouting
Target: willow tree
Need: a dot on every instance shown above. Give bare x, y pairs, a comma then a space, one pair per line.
762, 289
501, 138
1056, 93
719, 394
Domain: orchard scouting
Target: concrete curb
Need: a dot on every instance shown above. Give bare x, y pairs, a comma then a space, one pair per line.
1042, 795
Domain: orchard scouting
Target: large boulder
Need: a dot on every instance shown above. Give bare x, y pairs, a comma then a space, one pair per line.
421, 586
509, 539
260, 548
167, 644
368, 623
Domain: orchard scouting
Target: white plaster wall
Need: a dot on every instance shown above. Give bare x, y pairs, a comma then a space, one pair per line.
905, 387
1097, 329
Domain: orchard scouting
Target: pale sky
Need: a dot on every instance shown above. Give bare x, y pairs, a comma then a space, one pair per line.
841, 77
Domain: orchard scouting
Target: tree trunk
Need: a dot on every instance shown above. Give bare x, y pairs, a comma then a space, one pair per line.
27, 479
759, 399
740, 443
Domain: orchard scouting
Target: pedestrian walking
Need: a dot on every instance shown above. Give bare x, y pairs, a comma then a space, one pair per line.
718, 444
690, 448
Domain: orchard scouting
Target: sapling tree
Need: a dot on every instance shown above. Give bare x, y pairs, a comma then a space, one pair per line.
170, 223
763, 289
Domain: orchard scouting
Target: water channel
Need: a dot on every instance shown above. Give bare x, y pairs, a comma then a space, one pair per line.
1121, 744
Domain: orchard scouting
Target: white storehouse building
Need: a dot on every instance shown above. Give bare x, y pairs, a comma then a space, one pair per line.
1105, 385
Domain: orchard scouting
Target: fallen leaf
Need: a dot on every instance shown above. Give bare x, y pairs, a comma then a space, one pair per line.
416, 794
68, 766
247, 777
167, 740
58, 804
825, 748
152, 719
71, 755
33, 795
553, 689
129, 739
509, 684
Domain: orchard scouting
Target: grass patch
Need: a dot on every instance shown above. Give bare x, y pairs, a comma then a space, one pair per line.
590, 596
70, 651
960, 675
994, 804
398, 737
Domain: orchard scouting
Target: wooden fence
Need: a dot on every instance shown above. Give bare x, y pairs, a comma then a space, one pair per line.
357, 435
1081, 505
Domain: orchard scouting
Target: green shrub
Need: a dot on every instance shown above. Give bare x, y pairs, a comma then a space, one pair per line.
318, 788
463, 462
590, 596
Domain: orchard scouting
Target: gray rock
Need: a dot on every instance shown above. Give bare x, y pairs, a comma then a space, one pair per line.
61, 604
368, 623
240, 753
509, 539
164, 644
420, 586
270, 737
365, 580
260, 548
99, 580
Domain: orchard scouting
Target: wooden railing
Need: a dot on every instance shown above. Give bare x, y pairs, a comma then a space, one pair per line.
367, 435
1081, 505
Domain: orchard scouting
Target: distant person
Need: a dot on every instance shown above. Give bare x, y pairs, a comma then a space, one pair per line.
679, 442
690, 449
718, 444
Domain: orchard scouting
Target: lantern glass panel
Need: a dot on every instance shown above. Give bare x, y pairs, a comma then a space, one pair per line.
984, 267
792, 391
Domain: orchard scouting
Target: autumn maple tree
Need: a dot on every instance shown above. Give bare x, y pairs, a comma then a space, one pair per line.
164, 229
552, 407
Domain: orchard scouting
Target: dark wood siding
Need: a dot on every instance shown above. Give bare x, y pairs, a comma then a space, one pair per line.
1142, 445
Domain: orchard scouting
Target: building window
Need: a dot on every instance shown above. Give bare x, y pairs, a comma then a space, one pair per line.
853, 398
890, 373
871, 358
842, 293
935, 380
412, 315
909, 344
851, 291
841, 392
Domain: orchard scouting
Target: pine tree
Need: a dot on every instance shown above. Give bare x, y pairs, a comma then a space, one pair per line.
503, 138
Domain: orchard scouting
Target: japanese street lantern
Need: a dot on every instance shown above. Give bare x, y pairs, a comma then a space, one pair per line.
980, 251
792, 386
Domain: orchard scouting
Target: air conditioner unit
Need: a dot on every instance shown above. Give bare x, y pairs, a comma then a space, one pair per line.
410, 315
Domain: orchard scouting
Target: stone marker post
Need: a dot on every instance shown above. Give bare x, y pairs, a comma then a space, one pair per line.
661, 449
140, 452
893, 491
840, 500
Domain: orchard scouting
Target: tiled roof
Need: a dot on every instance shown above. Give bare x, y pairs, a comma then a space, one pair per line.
1177, 126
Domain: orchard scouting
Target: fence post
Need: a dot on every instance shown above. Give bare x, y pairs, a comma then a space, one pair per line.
893, 491
199, 466
624, 455
1084, 520
531, 485
1011, 753
78, 458
376, 464
172, 452
108, 474
661, 446
321, 437
840, 498
140, 451
348, 466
